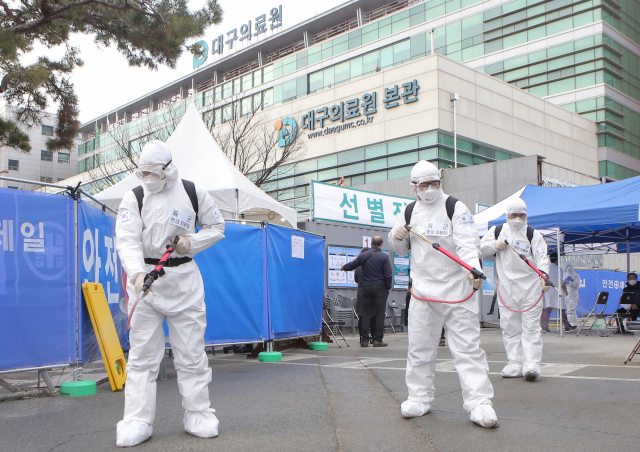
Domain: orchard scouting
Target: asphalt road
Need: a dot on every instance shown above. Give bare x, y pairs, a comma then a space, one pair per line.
349, 399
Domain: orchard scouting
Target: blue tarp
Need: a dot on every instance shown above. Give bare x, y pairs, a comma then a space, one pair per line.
98, 262
596, 281
295, 285
592, 214
235, 290
37, 302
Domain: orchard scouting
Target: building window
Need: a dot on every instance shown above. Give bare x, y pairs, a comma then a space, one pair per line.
47, 130
14, 165
45, 179
46, 156
63, 158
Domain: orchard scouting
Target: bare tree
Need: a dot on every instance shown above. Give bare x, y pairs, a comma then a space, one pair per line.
250, 140
112, 165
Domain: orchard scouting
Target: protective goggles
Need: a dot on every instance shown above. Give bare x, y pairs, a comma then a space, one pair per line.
514, 215
152, 172
425, 182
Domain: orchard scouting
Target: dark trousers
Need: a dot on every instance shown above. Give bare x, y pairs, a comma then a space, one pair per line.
365, 336
546, 314
374, 303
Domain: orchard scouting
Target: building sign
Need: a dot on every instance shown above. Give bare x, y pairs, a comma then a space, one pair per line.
349, 205
254, 28
287, 131
357, 112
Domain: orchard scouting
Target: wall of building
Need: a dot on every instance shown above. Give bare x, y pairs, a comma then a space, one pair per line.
31, 166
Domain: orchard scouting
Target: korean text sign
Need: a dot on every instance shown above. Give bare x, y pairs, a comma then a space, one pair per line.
349, 205
37, 302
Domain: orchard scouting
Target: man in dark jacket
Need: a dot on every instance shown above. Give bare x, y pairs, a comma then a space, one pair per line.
364, 331
631, 287
377, 278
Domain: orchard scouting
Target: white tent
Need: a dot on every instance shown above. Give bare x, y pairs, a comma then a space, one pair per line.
200, 160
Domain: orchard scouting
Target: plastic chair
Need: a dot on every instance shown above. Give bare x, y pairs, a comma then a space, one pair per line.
329, 300
600, 301
633, 326
343, 311
625, 299
396, 312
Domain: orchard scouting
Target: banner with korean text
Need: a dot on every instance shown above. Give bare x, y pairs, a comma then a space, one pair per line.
350, 205
37, 302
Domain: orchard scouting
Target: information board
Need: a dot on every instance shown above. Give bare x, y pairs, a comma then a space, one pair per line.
337, 257
401, 271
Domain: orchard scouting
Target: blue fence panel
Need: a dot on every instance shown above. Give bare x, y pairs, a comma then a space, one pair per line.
98, 262
37, 303
296, 285
234, 284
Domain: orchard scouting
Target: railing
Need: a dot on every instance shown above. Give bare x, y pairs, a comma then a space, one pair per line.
283, 52
345, 26
388, 8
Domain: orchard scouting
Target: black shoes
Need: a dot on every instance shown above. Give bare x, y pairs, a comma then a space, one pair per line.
364, 343
379, 344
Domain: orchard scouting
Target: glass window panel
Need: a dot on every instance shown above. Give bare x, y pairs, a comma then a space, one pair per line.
369, 37
217, 93
585, 56
513, 6
473, 52
267, 98
329, 78
227, 90
246, 106
247, 82
380, 176
355, 42
402, 145
384, 31
514, 40
471, 26
452, 5
277, 94
301, 86
401, 51
439, 38
562, 86
351, 156
429, 139
493, 46
328, 174
328, 161
536, 33
386, 57
583, 43
560, 62
313, 59
537, 68
288, 90
342, 72
515, 62
400, 25
559, 26
357, 180
316, 81
403, 159
428, 154
306, 178
286, 183
372, 165
540, 90
376, 151
399, 173
453, 32
236, 86
351, 169
560, 50
370, 62
418, 45
307, 165
418, 18
537, 56
340, 48
583, 19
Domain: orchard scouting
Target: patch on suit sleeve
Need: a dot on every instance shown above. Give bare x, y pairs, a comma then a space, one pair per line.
467, 220
217, 215
124, 216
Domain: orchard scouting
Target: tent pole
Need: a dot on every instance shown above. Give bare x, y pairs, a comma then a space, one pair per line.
628, 251
236, 213
559, 321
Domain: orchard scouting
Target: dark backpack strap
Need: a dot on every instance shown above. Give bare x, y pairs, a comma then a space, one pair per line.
408, 211
139, 192
450, 204
498, 230
190, 188
530, 232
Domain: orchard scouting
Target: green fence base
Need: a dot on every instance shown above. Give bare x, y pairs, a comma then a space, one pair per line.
269, 357
78, 388
318, 346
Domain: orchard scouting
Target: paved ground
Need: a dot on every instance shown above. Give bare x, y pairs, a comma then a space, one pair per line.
348, 400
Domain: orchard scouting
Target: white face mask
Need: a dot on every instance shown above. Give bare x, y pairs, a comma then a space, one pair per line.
429, 195
632, 282
516, 223
155, 187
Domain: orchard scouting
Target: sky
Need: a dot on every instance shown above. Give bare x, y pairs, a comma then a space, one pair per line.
106, 81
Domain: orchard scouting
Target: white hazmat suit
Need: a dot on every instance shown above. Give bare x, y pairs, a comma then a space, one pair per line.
177, 296
519, 287
436, 276
572, 281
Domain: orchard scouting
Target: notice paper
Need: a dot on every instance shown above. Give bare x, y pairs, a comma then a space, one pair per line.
297, 246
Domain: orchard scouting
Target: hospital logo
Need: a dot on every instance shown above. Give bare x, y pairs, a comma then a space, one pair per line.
287, 131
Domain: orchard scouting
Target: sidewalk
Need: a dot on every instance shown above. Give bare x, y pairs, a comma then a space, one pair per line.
349, 399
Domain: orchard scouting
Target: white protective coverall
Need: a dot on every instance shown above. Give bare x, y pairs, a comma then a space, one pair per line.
519, 288
177, 296
572, 281
436, 276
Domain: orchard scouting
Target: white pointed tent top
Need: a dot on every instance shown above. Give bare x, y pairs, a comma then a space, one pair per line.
199, 159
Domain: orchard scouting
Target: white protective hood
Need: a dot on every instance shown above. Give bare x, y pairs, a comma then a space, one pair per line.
199, 159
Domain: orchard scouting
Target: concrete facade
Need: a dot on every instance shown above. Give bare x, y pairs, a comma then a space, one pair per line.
33, 165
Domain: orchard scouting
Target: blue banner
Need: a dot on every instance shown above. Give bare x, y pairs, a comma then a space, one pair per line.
98, 262
596, 281
295, 281
37, 303
234, 284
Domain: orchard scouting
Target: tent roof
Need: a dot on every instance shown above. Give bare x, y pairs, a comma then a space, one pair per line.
200, 160
592, 214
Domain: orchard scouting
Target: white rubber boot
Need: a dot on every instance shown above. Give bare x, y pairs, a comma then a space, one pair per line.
531, 371
410, 409
484, 416
512, 371
132, 433
203, 424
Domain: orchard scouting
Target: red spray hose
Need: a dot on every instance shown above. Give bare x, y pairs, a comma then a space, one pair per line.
540, 273
516, 310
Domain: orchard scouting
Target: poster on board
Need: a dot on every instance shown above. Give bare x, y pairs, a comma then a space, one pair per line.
401, 271
337, 257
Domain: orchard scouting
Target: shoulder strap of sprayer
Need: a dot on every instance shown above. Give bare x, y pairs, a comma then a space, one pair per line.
189, 187
450, 205
530, 232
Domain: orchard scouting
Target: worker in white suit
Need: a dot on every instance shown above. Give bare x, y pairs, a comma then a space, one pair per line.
435, 276
572, 282
147, 222
519, 289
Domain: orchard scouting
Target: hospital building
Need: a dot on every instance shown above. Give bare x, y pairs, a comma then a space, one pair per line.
370, 87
